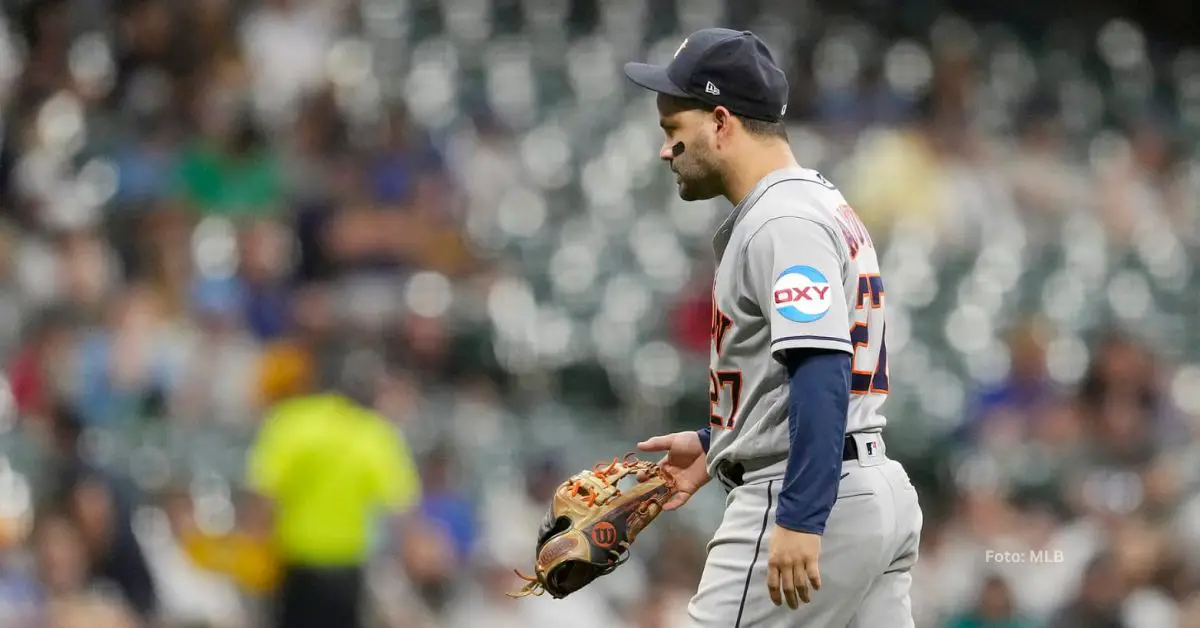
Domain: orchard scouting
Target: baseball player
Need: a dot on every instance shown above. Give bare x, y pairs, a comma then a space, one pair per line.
817, 515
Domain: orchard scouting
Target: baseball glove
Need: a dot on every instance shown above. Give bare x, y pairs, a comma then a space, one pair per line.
592, 522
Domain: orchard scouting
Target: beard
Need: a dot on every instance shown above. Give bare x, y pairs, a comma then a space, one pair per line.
697, 174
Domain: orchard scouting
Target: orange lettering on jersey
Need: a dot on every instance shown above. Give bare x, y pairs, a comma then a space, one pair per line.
853, 230
720, 324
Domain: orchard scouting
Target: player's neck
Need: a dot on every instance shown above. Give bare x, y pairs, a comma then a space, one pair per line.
763, 159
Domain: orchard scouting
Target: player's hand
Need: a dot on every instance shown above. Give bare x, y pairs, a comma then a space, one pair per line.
792, 571
685, 461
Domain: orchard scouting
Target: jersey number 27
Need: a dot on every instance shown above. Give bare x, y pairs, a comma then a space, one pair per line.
867, 377
721, 383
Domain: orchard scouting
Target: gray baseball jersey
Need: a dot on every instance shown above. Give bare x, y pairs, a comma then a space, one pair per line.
796, 268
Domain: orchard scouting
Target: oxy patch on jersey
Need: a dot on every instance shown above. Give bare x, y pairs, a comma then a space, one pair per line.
802, 294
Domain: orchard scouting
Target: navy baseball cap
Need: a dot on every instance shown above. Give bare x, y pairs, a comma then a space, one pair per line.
719, 66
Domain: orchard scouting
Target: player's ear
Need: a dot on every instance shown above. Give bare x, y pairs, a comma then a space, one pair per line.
722, 122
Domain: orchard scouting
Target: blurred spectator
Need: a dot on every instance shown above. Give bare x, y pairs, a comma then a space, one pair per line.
89, 613
692, 317
217, 382
46, 27
214, 46
1121, 370
288, 365
429, 561
246, 553
896, 181
400, 213
517, 508
408, 169
1098, 601
231, 172
129, 366
100, 507
146, 163
1014, 405
489, 604
59, 574
680, 559
1123, 404
444, 504
935, 171
663, 606
484, 161
318, 137
149, 62
286, 42
192, 583
45, 353
995, 609
327, 465
267, 252
1157, 605
62, 561
1141, 185
869, 101
1045, 184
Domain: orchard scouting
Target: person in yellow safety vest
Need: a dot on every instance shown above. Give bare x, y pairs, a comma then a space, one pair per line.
328, 466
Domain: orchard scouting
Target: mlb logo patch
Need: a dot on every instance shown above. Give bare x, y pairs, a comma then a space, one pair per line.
872, 448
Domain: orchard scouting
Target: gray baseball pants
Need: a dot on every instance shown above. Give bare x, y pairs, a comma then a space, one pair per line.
867, 551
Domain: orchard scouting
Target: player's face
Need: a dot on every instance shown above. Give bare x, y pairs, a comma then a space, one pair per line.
688, 149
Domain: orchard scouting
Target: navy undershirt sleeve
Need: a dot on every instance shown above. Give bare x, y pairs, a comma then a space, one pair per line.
705, 436
818, 397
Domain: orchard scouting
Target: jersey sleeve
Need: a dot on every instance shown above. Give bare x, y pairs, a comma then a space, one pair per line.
794, 271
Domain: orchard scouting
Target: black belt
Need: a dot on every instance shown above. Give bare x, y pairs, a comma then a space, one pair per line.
732, 473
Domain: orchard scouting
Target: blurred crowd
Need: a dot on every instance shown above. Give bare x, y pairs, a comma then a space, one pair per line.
193, 228
204, 205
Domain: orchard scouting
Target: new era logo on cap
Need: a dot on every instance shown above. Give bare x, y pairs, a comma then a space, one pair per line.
751, 84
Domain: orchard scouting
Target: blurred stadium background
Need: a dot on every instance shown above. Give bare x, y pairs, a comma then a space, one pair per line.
206, 204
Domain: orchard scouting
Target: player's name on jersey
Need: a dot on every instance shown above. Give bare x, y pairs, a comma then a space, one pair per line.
1032, 556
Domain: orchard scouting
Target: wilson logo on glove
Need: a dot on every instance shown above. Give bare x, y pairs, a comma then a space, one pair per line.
604, 534
592, 523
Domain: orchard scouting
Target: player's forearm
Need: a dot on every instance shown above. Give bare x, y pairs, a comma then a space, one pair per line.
819, 394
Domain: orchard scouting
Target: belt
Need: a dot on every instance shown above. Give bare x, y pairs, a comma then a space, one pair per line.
732, 473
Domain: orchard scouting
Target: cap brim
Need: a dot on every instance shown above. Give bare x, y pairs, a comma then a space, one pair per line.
653, 78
